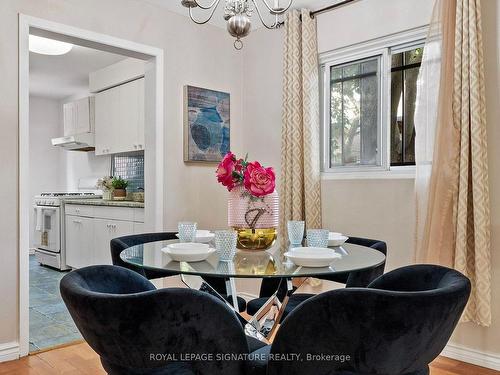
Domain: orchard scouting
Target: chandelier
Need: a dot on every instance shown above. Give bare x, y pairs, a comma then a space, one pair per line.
237, 13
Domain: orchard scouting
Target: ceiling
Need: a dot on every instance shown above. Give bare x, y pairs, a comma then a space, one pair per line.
58, 77
218, 20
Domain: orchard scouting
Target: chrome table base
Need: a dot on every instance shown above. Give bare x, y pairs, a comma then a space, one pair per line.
264, 323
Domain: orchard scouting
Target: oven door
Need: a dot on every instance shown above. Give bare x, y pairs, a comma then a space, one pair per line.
47, 228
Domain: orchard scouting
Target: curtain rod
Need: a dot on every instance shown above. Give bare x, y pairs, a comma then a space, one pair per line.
331, 7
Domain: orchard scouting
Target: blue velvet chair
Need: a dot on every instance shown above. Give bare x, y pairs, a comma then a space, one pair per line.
358, 279
130, 324
121, 243
397, 325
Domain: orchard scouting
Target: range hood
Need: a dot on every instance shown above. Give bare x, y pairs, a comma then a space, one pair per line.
79, 142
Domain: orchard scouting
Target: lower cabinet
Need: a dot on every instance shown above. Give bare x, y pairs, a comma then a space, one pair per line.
104, 232
79, 241
88, 237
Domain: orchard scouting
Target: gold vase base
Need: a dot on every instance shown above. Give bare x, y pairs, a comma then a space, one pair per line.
255, 239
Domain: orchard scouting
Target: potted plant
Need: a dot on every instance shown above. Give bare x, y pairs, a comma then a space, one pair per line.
253, 205
119, 188
106, 185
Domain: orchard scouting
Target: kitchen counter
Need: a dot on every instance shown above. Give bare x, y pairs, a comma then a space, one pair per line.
102, 202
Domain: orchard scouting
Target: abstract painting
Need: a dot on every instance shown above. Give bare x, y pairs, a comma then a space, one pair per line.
206, 125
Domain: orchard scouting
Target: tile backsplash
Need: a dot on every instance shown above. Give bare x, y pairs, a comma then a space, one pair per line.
131, 168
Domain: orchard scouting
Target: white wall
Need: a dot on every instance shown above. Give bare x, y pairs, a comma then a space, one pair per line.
44, 158
369, 19
198, 55
77, 165
373, 208
262, 84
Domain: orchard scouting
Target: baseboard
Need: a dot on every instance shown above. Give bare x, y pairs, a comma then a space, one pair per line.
476, 357
9, 351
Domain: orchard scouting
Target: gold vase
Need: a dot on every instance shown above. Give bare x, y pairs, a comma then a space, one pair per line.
255, 239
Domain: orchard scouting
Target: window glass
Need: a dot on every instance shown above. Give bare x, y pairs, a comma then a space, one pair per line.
354, 113
404, 75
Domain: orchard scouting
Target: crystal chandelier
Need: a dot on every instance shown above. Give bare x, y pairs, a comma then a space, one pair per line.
237, 13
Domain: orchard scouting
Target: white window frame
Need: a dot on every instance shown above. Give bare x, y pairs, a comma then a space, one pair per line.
383, 48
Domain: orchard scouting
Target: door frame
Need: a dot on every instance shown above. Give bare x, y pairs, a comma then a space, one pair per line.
154, 136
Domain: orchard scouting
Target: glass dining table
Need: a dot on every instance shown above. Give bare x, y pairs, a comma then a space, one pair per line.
253, 264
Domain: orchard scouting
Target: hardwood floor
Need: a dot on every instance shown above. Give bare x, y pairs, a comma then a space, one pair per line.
82, 360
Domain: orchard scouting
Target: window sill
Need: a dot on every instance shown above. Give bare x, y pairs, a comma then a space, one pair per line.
395, 173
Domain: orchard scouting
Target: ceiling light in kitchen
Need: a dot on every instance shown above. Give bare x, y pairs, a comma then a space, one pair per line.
47, 46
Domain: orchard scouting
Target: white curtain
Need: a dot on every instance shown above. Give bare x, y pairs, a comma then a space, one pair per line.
453, 219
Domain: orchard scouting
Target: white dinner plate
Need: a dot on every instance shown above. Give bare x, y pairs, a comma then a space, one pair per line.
336, 239
188, 252
312, 256
202, 236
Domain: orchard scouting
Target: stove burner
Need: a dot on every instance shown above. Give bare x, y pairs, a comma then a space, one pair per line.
66, 194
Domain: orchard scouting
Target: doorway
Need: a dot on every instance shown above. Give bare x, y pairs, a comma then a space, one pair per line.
152, 154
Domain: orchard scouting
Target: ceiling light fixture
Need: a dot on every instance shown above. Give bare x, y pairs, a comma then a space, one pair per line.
47, 46
237, 13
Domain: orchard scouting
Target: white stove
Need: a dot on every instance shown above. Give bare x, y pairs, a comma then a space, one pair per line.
49, 226
56, 199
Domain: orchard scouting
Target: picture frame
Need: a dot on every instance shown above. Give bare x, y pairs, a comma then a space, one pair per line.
207, 125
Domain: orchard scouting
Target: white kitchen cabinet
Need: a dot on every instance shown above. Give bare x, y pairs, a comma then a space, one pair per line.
90, 229
104, 231
119, 118
132, 121
78, 116
79, 245
106, 104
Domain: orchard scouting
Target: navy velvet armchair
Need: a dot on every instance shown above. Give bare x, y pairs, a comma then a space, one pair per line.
397, 325
137, 329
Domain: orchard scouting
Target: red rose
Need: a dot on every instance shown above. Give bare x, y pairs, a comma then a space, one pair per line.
259, 181
225, 171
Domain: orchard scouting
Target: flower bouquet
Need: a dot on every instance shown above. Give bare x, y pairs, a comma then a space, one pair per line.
106, 185
253, 205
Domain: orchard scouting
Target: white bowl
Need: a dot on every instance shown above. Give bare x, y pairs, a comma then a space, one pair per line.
336, 239
312, 256
188, 252
202, 236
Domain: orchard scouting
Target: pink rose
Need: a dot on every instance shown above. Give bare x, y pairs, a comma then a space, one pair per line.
225, 171
259, 181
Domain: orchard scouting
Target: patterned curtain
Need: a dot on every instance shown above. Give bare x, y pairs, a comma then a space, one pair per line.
300, 195
453, 219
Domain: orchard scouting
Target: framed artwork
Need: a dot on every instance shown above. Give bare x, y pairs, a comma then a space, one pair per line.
206, 125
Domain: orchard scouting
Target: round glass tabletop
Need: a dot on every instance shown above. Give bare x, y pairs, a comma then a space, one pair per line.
252, 264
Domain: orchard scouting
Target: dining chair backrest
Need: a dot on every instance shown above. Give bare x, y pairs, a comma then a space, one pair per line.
398, 325
132, 326
120, 244
361, 279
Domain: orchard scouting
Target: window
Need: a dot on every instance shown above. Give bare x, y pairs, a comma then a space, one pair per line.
404, 74
368, 103
354, 113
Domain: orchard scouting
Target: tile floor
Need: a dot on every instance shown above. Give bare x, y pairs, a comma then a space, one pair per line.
50, 322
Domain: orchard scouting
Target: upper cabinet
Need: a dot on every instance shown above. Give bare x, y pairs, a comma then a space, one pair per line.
119, 118
79, 117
